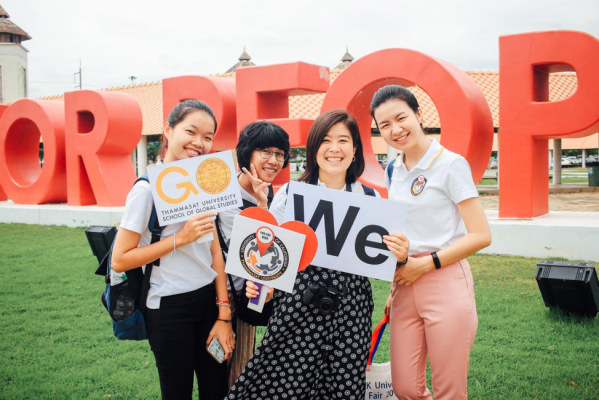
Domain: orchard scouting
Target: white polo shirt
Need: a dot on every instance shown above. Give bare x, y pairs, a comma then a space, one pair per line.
188, 269
431, 190
277, 208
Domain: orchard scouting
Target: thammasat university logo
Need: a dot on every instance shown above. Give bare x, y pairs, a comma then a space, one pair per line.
263, 255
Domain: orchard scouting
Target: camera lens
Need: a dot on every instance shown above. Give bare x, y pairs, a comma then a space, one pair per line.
327, 305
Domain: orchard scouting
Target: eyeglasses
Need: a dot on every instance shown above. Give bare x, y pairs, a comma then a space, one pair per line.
267, 153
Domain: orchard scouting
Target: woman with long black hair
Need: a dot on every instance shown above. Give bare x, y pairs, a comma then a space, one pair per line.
182, 314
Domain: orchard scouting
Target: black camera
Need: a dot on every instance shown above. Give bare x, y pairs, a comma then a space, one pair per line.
325, 298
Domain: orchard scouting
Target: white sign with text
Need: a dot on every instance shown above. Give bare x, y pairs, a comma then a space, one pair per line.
349, 228
184, 188
264, 253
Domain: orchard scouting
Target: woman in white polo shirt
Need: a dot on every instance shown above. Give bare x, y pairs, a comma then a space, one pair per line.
431, 306
182, 315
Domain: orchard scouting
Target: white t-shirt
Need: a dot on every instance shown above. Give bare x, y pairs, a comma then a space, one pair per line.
226, 219
186, 270
431, 190
277, 208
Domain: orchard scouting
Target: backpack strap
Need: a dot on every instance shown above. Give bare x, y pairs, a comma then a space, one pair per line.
156, 230
390, 168
368, 191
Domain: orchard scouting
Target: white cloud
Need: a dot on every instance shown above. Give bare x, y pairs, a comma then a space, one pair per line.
153, 40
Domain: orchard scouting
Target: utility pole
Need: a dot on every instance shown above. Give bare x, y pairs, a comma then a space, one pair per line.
80, 79
133, 78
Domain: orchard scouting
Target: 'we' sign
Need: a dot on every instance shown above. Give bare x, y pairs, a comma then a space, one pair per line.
349, 227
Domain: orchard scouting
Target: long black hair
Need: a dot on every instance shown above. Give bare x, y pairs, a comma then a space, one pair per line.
179, 113
318, 131
261, 135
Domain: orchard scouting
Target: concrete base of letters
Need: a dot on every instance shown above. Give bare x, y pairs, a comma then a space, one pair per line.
567, 234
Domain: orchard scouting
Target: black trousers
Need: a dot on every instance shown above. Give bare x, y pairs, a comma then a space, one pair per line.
177, 333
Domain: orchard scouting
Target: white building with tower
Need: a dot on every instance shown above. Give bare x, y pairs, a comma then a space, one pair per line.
13, 60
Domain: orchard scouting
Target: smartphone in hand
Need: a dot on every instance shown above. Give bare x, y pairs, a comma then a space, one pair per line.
216, 350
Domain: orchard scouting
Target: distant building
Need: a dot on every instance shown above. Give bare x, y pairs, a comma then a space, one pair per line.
13, 60
561, 86
244, 61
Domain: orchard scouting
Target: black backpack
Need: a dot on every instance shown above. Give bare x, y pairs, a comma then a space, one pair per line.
126, 301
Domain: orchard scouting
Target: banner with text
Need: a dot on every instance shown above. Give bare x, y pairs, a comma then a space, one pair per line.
264, 253
184, 188
349, 228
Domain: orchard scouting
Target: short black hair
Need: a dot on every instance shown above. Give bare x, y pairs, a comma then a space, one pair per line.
261, 135
318, 131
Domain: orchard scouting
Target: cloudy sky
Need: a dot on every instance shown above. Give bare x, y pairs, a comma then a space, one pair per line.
153, 40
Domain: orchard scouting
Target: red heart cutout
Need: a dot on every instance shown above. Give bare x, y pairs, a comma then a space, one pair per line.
310, 244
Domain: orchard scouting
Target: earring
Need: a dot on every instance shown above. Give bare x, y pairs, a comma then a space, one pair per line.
353, 159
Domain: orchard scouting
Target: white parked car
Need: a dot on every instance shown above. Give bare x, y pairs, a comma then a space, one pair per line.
493, 164
566, 162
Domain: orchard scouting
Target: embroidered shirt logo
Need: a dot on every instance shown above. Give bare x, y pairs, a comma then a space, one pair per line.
418, 185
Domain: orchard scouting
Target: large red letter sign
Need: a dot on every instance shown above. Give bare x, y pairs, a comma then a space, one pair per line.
528, 119
3, 196
218, 93
467, 125
20, 174
263, 93
102, 130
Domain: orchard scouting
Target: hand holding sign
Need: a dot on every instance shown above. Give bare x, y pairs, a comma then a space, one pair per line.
196, 228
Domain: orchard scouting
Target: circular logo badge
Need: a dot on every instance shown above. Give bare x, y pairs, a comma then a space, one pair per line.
213, 176
268, 266
418, 185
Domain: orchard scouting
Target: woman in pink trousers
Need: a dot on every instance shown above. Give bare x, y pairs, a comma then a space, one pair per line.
431, 305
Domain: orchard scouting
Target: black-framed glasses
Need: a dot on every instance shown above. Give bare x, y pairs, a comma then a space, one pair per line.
267, 153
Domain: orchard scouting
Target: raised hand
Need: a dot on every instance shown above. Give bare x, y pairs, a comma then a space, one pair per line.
259, 187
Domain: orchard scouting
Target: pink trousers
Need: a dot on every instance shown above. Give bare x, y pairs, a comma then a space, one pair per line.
434, 317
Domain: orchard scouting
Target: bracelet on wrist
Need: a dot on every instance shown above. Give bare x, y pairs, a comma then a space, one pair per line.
224, 320
401, 264
224, 304
436, 260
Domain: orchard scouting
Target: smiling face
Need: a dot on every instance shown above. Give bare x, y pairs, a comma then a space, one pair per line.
189, 138
267, 169
399, 124
336, 152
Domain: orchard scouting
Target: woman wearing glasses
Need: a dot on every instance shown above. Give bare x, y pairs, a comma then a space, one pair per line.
262, 152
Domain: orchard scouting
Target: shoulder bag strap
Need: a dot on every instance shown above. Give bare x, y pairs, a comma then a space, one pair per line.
156, 231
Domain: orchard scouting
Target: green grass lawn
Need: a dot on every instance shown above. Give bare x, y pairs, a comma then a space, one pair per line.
568, 176
57, 343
